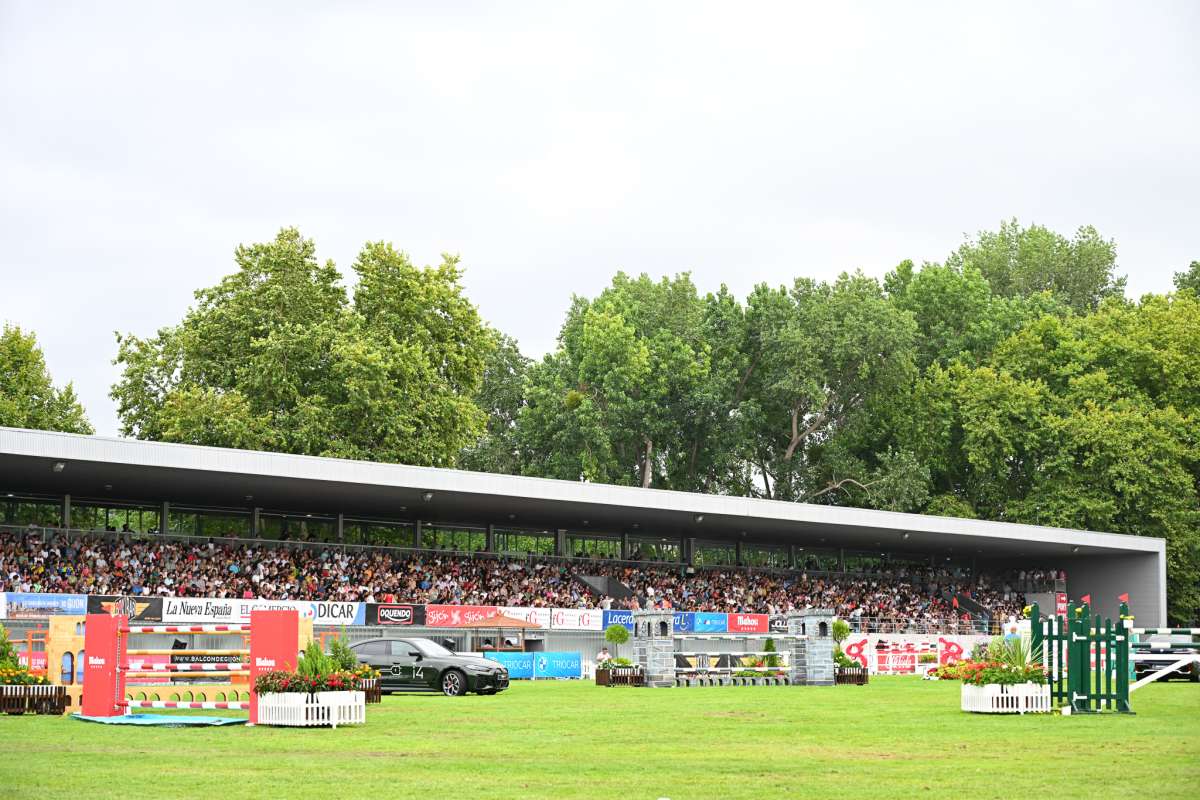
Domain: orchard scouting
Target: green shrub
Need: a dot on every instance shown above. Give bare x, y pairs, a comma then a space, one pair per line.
616, 634
772, 660
342, 655
841, 630
843, 660
314, 663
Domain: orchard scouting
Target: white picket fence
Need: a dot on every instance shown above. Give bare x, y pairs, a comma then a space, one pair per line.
1021, 698
296, 709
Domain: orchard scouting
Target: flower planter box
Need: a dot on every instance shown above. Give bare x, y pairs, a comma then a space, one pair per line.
626, 676
850, 676
301, 710
603, 676
1020, 698
371, 689
33, 700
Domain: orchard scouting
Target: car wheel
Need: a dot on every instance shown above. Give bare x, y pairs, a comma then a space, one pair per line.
454, 683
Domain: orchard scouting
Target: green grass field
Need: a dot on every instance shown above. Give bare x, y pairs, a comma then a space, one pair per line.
897, 737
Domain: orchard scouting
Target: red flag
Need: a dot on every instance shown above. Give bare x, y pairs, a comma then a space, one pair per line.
1124, 598
1086, 599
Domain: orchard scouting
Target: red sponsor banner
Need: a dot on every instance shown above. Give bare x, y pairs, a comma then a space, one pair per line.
35, 660
749, 623
950, 651
453, 616
274, 645
1060, 604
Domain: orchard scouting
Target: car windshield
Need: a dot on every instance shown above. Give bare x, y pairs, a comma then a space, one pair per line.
430, 648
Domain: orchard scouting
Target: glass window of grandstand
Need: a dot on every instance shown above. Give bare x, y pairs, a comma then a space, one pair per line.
459, 540
864, 562
811, 560
758, 555
654, 549
531, 542
209, 524
107, 517
30, 511
297, 528
583, 546
379, 534
714, 554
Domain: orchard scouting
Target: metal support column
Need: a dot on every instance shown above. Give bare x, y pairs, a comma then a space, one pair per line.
66, 511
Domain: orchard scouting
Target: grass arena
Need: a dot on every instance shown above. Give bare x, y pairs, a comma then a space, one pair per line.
897, 737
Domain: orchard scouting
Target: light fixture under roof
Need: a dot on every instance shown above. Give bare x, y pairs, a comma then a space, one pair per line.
905, 535
427, 496
698, 518
59, 466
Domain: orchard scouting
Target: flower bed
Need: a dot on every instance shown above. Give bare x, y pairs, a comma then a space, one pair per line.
994, 698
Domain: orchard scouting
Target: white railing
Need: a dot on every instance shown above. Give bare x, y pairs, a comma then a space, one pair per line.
296, 709
1020, 698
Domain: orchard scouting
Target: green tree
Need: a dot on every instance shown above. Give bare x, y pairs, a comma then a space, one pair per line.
501, 398
1018, 262
275, 357
28, 398
1189, 278
815, 357
634, 393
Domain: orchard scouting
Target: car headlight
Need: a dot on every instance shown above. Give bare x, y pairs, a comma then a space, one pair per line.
481, 670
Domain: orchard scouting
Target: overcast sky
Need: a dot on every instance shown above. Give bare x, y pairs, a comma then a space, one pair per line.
551, 145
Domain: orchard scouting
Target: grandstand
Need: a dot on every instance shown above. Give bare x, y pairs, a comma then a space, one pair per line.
419, 535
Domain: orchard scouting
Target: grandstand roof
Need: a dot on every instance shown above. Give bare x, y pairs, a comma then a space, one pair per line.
100, 467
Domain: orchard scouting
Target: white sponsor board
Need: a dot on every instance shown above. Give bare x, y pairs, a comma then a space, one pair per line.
3, 606
900, 653
576, 619
538, 616
230, 610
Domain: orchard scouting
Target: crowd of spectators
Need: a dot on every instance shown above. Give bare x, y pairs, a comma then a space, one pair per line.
135, 565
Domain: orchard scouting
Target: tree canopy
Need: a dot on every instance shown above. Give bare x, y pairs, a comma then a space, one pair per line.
28, 398
277, 357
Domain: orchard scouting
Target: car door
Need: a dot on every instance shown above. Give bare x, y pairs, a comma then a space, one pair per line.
377, 654
406, 668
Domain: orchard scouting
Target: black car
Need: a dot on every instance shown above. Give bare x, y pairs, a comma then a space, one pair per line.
423, 665
1164, 654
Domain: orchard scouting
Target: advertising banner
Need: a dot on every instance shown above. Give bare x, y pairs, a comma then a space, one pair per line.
1060, 604
538, 616
35, 660
684, 622
778, 623
453, 616
901, 653
748, 623
23, 605
519, 665
393, 614
138, 609
709, 622
233, 611
576, 619
557, 665
539, 665
619, 617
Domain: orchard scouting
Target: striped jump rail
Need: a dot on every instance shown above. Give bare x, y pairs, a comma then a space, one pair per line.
1166, 631
1160, 645
187, 629
143, 673
225, 667
209, 706
170, 652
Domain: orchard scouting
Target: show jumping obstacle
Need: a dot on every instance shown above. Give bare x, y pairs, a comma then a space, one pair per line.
274, 645
1086, 658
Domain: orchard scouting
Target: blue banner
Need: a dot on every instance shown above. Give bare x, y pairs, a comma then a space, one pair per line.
539, 665
557, 665
621, 617
685, 622
710, 622
519, 665
28, 604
